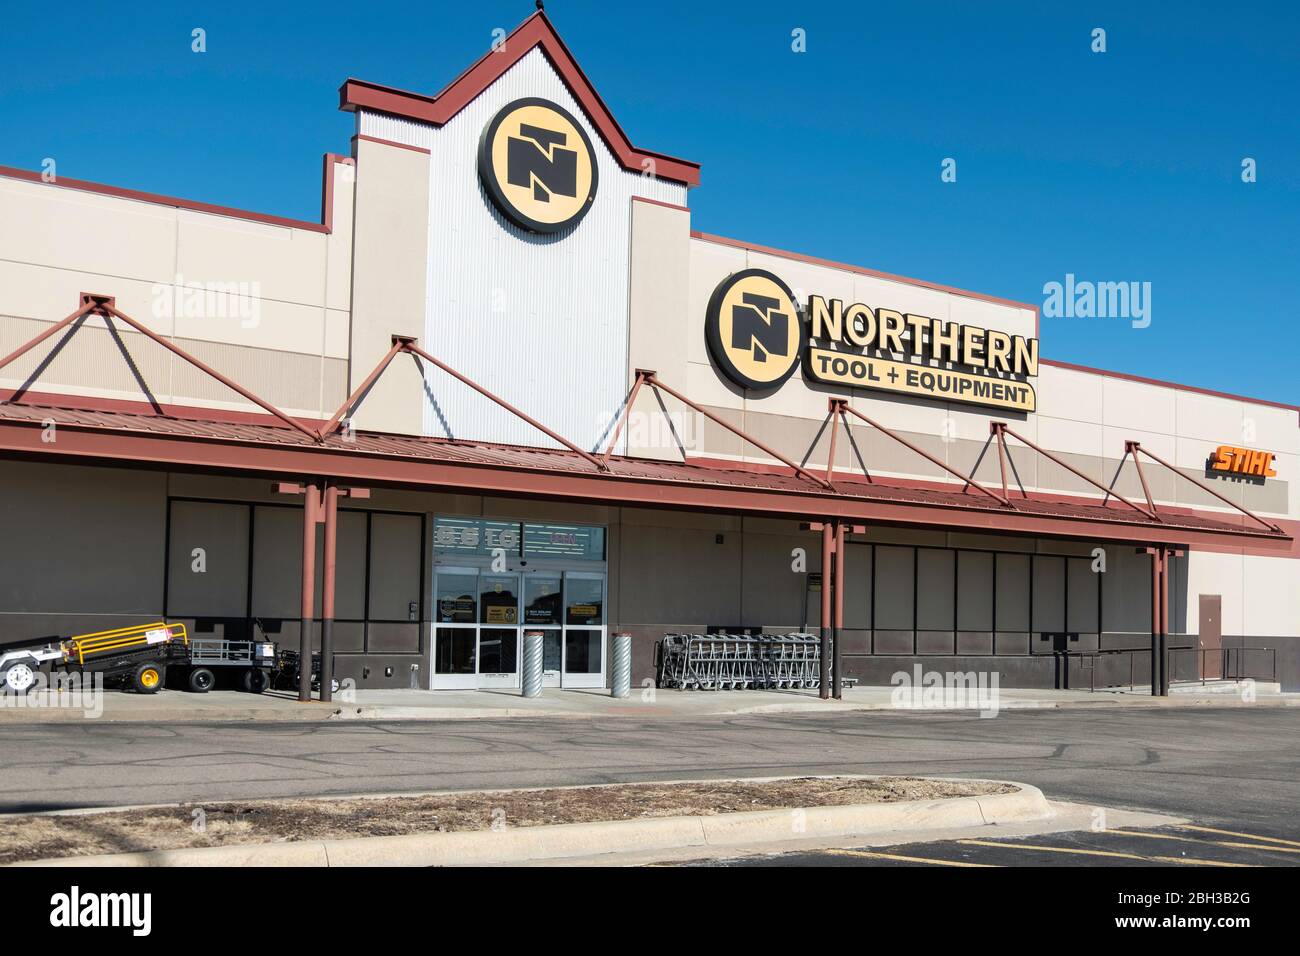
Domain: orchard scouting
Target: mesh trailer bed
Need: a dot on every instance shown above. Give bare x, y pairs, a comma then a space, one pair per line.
250, 663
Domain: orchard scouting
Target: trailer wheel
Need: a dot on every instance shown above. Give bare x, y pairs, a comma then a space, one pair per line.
201, 680
18, 677
147, 679
255, 680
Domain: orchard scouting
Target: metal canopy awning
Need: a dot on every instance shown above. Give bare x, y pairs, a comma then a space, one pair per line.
281, 446
183, 439
327, 455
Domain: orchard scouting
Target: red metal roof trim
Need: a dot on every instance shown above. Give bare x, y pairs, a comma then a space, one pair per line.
512, 458
326, 225
536, 31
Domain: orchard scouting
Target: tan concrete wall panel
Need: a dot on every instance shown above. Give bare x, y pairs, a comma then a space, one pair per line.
80, 541
390, 276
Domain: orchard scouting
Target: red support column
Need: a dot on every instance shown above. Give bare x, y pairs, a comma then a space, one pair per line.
837, 624
828, 546
331, 506
1157, 609
1164, 622
310, 517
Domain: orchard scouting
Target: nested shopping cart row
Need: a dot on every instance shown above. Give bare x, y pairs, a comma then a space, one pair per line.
735, 662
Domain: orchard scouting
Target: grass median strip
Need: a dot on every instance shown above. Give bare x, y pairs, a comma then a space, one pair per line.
48, 836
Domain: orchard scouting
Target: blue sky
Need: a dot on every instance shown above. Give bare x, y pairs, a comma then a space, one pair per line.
1122, 166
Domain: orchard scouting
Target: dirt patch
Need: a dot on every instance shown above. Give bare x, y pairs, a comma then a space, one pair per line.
281, 821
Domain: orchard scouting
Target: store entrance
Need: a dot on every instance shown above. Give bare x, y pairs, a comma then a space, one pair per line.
482, 616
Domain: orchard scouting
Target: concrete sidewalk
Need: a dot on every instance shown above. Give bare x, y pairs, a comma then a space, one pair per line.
178, 706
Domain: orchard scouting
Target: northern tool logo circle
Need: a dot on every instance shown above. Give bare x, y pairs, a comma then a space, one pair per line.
538, 166
753, 329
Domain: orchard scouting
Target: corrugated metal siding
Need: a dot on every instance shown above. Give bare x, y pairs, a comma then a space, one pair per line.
542, 321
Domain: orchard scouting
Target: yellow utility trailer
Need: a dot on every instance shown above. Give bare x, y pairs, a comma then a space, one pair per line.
136, 656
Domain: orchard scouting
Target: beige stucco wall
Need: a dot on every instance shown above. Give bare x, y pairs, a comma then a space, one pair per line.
390, 279
1083, 416
283, 333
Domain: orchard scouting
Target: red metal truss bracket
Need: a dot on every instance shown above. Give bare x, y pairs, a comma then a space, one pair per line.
653, 381
1135, 448
642, 375
105, 307
208, 370
1149, 512
406, 343
845, 407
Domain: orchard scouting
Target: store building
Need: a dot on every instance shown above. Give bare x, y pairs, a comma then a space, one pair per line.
508, 229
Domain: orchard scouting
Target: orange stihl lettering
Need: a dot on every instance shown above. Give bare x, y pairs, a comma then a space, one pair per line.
1243, 461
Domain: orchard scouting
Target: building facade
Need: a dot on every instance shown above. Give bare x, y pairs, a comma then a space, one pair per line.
509, 228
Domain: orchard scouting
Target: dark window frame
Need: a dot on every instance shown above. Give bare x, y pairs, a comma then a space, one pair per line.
252, 507
957, 552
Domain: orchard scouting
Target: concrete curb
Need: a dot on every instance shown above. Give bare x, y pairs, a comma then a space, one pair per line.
316, 711
526, 844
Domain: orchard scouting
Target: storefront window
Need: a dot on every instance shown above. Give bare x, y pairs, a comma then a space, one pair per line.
542, 599
455, 651
499, 600
582, 652
498, 650
584, 600
456, 601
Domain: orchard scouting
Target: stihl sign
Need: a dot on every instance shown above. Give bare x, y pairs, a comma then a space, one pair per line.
1243, 461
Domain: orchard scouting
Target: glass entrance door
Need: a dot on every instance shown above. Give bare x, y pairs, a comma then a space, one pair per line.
498, 633
455, 628
584, 629
543, 611
476, 634
482, 616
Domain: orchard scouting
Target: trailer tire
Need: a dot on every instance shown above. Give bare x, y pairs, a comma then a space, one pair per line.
255, 680
201, 680
18, 676
147, 678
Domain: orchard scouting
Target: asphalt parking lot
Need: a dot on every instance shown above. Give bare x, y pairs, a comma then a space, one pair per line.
1190, 845
1232, 769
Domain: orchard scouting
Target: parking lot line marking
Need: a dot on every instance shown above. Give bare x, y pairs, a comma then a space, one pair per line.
1248, 836
907, 859
1053, 849
1189, 861
1227, 843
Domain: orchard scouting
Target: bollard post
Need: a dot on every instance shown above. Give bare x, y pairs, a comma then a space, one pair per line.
532, 663
621, 684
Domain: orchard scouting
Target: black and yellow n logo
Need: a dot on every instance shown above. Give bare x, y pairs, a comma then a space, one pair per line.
753, 330
536, 158
538, 166
756, 324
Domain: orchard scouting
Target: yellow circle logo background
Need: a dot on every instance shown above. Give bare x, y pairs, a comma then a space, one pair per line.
754, 330
538, 165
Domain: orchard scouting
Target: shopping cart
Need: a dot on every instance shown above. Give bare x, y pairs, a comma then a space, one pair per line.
739, 662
